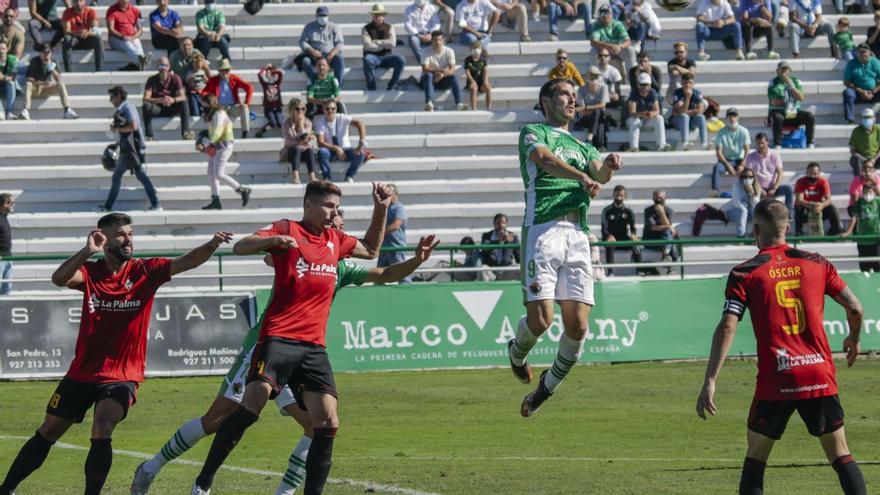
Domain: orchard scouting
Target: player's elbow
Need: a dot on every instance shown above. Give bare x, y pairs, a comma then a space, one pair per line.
58, 281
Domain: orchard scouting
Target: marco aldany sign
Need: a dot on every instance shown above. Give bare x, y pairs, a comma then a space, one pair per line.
190, 334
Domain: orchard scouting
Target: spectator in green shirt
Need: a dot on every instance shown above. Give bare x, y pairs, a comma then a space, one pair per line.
611, 34
862, 80
8, 71
181, 59
211, 24
785, 95
843, 38
865, 220
864, 142
731, 147
323, 89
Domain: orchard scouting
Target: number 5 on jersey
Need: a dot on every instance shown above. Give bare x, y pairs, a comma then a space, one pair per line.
792, 302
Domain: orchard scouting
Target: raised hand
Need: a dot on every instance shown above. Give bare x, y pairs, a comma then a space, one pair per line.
221, 238
426, 247
96, 241
381, 194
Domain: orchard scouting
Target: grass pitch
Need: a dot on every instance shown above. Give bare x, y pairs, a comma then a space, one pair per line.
618, 429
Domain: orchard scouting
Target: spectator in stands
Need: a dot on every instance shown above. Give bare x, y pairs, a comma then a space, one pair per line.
745, 196
514, 16
395, 232
862, 80
226, 86
332, 131
658, 225
322, 39
591, 102
806, 21
867, 178
420, 20
81, 32
12, 36
438, 72
164, 96
769, 173
641, 22
11, 5
124, 25
502, 256
874, 35
731, 147
619, 224
476, 71
813, 197
568, 9
644, 109
864, 220
44, 17
7, 205
43, 80
609, 33
864, 141
677, 67
379, 40
477, 20
687, 113
323, 89
166, 29
611, 76
715, 21
181, 59
645, 66
132, 148
565, 69
219, 145
196, 80
785, 95
300, 144
8, 73
843, 39
271, 79
756, 18
211, 25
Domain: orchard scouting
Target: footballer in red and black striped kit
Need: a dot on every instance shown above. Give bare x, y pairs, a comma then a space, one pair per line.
784, 290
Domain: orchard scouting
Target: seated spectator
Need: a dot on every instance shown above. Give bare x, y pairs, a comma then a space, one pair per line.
644, 109
44, 17
756, 18
641, 22
379, 40
874, 35
568, 9
855, 6
472, 259
813, 198
731, 147
322, 39
12, 36
476, 71
300, 144
514, 16
715, 21
166, 30
785, 95
211, 25
645, 66
332, 131
565, 69
864, 142
420, 20
612, 78
806, 21
43, 80
8, 73
843, 39
867, 178
323, 89
124, 25
477, 20
687, 113
769, 172
611, 34
226, 86
81, 32
501, 257
446, 13
181, 59
658, 226
12, 5
619, 224
271, 79
862, 80
438, 72
677, 67
590, 110
865, 220
745, 196
196, 79
7, 206
164, 96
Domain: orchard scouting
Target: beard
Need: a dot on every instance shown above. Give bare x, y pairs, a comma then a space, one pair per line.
119, 253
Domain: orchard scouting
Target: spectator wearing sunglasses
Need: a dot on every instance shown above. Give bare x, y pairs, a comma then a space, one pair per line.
565, 69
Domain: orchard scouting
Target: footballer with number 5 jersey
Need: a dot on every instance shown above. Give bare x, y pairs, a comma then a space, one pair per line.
108, 365
784, 289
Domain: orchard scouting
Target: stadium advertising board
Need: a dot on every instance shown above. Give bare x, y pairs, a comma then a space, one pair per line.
190, 334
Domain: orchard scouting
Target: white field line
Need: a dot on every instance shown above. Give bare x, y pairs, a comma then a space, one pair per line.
378, 487
590, 459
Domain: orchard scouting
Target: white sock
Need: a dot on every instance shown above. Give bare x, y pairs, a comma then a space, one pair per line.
183, 439
523, 343
567, 356
296, 468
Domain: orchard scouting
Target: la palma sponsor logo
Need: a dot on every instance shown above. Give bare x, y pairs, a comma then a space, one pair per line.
115, 305
786, 361
303, 267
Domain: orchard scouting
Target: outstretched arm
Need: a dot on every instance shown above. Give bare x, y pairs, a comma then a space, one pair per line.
199, 255
854, 315
721, 342
603, 171
368, 247
68, 274
254, 244
400, 271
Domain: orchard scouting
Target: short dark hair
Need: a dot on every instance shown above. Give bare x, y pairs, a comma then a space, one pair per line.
437, 34
4, 197
118, 92
619, 187
181, 40
864, 46
772, 211
549, 88
499, 216
814, 164
760, 136
114, 220
321, 188
642, 54
687, 76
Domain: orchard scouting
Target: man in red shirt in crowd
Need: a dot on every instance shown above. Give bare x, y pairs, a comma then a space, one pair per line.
784, 289
81, 32
291, 350
108, 365
225, 86
124, 24
813, 193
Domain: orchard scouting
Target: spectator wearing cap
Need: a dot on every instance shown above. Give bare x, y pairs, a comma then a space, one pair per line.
813, 196
715, 21
211, 25
420, 20
379, 40
438, 72
226, 87
565, 69
166, 28
590, 111
864, 142
8, 72
7, 206
44, 17
124, 25
609, 33
769, 173
477, 20
568, 9
43, 80
687, 113
81, 32
322, 39
731, 147
678, 66
806, 21
644, 109
514, 16
862, 80
164, 96
12, 33
756, 18
785, 95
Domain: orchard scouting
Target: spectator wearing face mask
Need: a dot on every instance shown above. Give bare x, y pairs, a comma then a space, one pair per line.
322, 39
859, 182
211, 25
746, 194
864, 141
865, 220
476, 71
813, 196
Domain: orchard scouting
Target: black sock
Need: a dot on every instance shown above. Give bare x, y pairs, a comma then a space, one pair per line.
230, 432
851, 479
98, 464
752, 481
28, 460
318, 460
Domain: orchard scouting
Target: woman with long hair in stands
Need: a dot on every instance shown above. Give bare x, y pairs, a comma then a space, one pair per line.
299, 140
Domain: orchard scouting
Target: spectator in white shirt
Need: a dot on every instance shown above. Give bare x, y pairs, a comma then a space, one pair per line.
420, 20
332, 129
514, 16
438, 71
807, 22
715, 21
477, 20
611, 76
